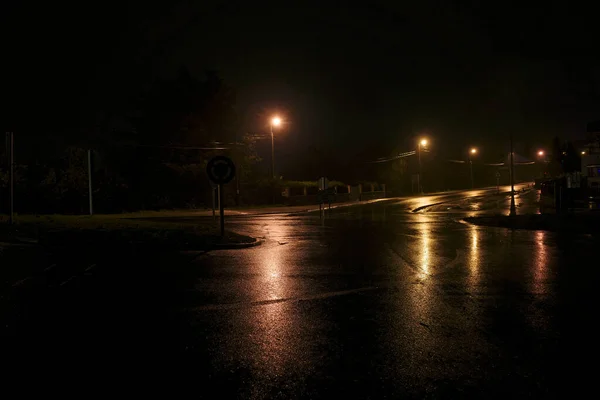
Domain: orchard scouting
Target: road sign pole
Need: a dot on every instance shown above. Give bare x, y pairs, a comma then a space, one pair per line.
222, 211
212, 194
219, 197
220, 170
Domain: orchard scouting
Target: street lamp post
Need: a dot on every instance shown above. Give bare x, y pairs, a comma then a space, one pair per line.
422, 142
542, 159
513, 209
473, 151
275, 121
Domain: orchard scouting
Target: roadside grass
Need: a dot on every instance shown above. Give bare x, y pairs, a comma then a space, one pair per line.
117, 230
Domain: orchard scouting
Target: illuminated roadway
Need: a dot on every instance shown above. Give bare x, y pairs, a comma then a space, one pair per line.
370, 301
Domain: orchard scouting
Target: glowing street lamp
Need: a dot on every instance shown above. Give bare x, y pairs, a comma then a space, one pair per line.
473, 151
422, 143
583, 153
275, 121
541, 153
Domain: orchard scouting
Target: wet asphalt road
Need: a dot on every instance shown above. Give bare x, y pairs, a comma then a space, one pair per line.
370, 301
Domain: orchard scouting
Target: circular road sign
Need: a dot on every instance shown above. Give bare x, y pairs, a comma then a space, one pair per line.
220, 170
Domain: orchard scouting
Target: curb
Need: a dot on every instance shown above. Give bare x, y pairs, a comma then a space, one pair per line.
18, 241
270, 213
416, 210
234, 246
215, 246
502, 194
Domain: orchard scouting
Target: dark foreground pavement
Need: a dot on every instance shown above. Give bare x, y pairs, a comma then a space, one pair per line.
368, 302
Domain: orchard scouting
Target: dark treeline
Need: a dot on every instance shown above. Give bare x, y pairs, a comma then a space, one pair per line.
149, 151
150, 147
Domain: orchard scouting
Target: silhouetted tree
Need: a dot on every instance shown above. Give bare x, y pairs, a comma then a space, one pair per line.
186, 111
571, 161
555, 165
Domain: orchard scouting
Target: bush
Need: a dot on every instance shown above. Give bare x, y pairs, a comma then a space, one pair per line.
300, 184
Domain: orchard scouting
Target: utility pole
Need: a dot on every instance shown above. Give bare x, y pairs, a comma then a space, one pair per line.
90, 181
513, 209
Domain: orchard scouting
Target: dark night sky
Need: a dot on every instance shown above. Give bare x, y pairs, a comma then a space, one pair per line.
364, 76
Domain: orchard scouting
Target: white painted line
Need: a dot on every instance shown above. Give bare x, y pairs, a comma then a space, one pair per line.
22, 281
319, 296
68, 280
91, 267
50, 267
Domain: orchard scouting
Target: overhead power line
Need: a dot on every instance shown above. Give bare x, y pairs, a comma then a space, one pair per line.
412, 153
401, 155
177, 147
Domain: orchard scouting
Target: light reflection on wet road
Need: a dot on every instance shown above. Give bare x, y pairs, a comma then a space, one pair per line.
380, 301
371, 301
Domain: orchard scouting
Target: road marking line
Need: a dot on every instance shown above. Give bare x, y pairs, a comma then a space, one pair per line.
50, 267
68, 280
22, 281
91, 267
319, 296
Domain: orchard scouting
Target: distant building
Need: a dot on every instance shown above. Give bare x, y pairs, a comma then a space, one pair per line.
590, 157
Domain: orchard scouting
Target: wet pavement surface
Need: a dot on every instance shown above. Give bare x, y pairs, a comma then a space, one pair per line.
372, 301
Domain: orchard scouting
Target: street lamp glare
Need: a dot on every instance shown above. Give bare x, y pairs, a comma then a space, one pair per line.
275, 121
583, 153
422, 143
541, 153
473, 150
